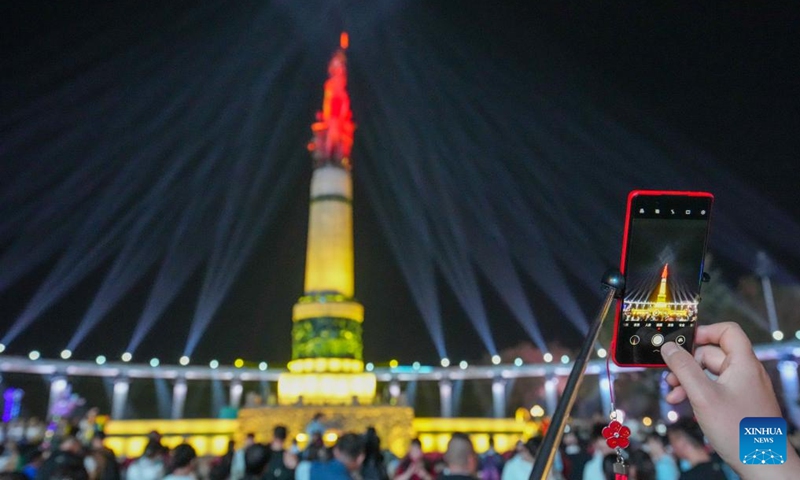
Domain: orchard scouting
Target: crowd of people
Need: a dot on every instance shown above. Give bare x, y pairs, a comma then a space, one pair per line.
704, 447
682, 454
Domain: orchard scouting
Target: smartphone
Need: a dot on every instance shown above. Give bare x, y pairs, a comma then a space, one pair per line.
663, 251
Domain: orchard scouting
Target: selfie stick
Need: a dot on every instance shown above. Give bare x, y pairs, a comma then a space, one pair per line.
614, 283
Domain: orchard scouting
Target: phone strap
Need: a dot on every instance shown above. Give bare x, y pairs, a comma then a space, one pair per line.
616, 434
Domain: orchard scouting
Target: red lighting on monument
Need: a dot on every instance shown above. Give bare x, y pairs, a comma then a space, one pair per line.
334, 128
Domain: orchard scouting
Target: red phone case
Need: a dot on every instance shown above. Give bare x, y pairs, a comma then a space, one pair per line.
631, 196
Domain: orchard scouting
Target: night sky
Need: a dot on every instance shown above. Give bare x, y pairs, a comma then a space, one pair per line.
496, 145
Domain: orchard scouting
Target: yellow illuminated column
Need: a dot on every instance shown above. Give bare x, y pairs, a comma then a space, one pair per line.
327, 366
329, 257
661, 298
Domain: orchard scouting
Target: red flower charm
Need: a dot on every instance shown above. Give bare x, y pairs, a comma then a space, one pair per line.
616, 435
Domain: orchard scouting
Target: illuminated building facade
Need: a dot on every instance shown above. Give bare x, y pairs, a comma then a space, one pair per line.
327, 365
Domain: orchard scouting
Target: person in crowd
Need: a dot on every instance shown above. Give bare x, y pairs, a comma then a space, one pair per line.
666, 468
593, 470
521, 464
256, 458
609, 462
460, 458
88, 426
33, 463
34, 432
68, 459
491, 462
742, 388
221, 469
13, 476
348, 454
315, 450
9, 460
316, 425
237, 465
575, 455
150, 466
282, 463
373, 468
182, 463
688, 443
69, 471
641, 466
414, 466
102, 460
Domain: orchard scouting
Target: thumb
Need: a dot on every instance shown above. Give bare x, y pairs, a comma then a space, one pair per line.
688, 371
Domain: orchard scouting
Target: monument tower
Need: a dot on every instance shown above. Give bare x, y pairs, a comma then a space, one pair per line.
327, 366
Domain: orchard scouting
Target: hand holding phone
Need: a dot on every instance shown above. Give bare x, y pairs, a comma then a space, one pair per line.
663, 251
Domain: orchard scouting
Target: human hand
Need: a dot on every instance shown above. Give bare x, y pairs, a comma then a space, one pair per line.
742, 389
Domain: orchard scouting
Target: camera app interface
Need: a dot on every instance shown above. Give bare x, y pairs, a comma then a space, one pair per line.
664, 268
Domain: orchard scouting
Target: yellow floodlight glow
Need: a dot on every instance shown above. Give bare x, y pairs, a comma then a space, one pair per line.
238, 363
647, 421
394, 363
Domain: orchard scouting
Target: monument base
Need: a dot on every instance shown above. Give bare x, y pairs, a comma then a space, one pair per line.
326, 388
394, 425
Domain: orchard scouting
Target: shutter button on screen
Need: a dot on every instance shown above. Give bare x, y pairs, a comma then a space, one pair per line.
657, 340
634, 340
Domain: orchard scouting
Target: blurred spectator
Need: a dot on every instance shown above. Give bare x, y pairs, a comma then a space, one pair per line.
460, 458
34, 462
88, 426
102, 459
12, 476
576, 456
34, 432
68, 460
414, 466
348, 455
641, 466
593, 470
316, 425
491, 463
687, 442
237, 465
315, 450
521, 464
666, 468
10, 459
608, 466
182, 463
282, 463
373, 468
150, 466
221, 470
256, 458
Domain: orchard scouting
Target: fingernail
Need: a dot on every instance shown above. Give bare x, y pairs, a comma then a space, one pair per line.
669, 348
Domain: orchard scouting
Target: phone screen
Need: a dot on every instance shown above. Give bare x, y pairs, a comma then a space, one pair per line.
663, 267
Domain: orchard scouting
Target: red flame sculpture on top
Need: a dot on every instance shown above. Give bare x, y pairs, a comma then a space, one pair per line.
334, 128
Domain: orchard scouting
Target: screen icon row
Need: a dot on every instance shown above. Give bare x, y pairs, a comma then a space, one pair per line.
672, 211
